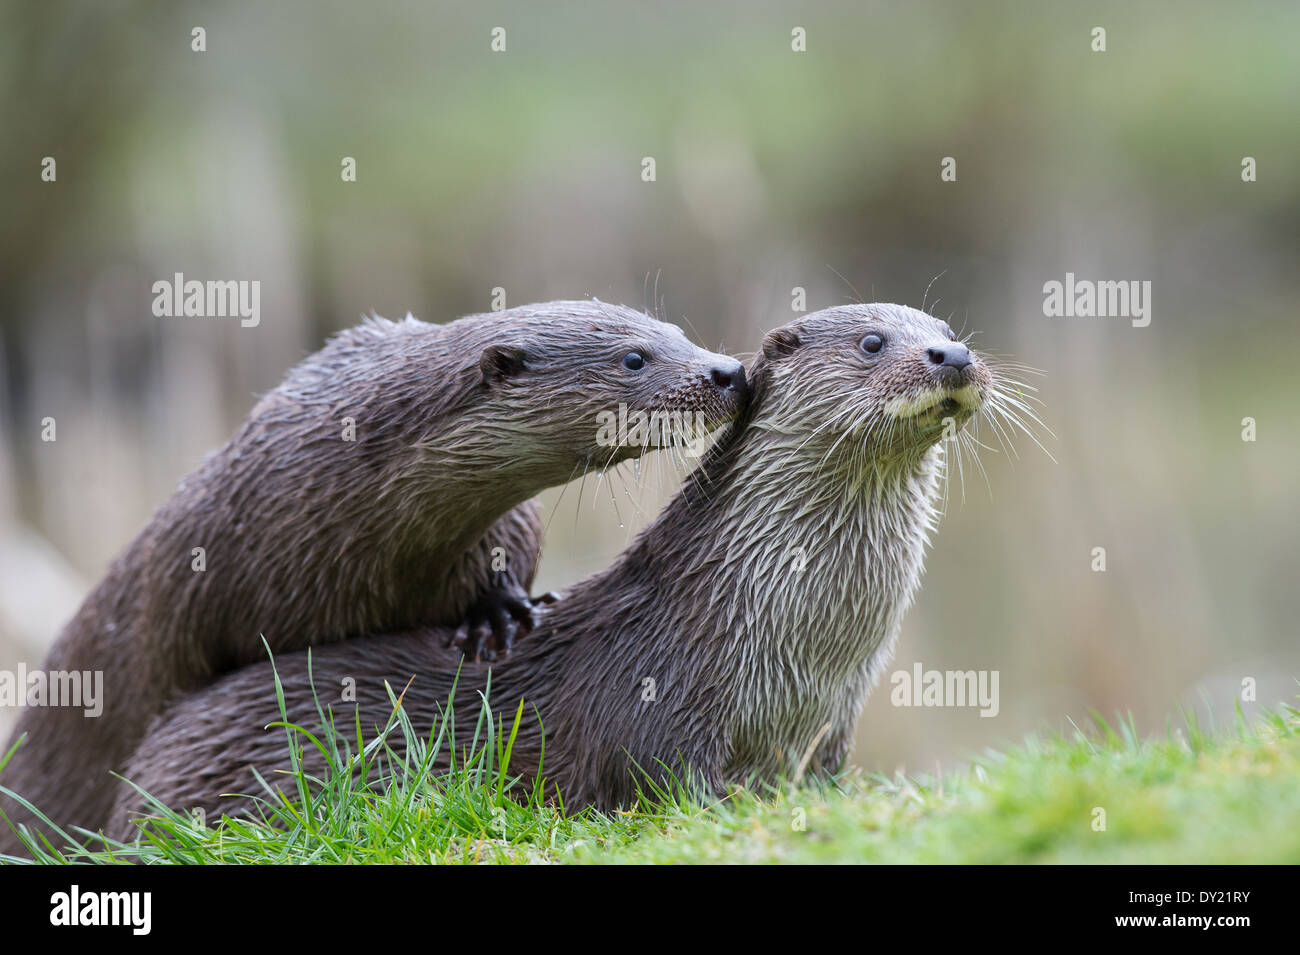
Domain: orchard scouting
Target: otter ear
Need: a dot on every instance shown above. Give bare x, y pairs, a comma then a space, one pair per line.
499, 362
780, 342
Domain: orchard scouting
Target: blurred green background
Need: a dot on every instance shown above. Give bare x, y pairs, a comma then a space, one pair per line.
775, 169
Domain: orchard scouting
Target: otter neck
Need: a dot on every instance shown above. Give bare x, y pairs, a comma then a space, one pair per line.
468, 465
813, 560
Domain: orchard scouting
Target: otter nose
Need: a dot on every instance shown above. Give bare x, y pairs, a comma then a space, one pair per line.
729, 377
953, 354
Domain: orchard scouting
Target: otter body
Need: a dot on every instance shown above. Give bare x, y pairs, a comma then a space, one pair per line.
308, 537
740, 633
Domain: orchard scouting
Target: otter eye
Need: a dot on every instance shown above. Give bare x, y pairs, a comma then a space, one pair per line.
633, 360
872, 343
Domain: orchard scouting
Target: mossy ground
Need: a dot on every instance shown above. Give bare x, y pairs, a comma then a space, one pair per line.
1231, 796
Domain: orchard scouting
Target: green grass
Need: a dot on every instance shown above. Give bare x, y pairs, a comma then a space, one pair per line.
1231, 796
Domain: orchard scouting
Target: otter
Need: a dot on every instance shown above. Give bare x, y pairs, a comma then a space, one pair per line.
738, 636
308, 537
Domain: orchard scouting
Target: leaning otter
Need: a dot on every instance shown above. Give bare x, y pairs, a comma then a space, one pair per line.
737, 637
309, 537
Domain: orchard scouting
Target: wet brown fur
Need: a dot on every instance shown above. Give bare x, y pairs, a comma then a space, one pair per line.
310, 539
737, 638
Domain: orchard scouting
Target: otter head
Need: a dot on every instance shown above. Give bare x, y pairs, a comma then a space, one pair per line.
607, 383
877, 382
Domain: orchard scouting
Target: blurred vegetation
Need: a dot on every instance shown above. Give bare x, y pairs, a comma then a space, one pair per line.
775, 170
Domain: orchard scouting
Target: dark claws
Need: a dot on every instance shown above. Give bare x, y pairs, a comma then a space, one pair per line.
499, 619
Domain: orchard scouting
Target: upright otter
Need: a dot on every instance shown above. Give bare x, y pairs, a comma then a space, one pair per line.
738, 634
309, 537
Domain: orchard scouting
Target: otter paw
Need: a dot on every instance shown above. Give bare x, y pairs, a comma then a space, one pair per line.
497, 619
